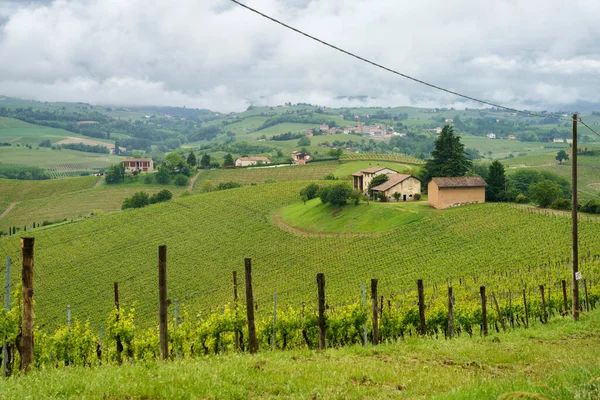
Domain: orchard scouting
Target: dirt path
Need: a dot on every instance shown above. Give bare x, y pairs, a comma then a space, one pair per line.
193, 180
99, 182
10, 207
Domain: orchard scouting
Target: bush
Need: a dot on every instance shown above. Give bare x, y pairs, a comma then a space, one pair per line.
181, 180
592, 207
46, 143
397, 196
186, 193
162, 176
163, 195
561, 204
207, 187
545, 192
417, 196
330, 177
336, 195
521, 199
138, 200
228, 185
382, 197
148, 179
311, 191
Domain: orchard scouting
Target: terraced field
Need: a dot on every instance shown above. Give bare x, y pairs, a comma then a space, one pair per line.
209, 235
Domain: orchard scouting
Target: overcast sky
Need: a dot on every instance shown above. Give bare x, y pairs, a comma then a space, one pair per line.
536, 54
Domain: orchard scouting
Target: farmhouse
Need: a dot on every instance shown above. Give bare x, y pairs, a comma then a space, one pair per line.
456, 191
300, 158
138, 164
406, 185
246, 161
363, 177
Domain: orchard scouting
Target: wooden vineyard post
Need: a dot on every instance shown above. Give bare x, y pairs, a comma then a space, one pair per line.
7, 307
422, 327
544, 312
565, 303
236, 340
483, 310
162, 301
500, 317
374, 311
587, 302
512, 316
119, 343
27, 310
321, 299
525, 308
252, 343
364, 300
450, 316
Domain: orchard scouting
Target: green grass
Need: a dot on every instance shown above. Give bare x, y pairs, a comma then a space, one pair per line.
557, 361
13, 190
315, 216
209, 235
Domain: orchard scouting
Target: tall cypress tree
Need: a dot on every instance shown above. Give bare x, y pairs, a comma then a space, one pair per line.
496, 181
448, 158
191, 159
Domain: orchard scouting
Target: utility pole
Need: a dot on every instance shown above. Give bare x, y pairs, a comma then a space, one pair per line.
575, 242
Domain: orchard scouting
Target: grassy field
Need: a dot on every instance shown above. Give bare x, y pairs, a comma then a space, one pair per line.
13, 190
556, 361
315, 216
209, 235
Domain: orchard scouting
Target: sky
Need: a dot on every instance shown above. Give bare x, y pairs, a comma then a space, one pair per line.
529, 54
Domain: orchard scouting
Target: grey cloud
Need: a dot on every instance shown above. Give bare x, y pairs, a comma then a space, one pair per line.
216, 55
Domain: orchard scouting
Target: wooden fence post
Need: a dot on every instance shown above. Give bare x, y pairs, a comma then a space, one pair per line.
483, 310
544, 312
500, 316
450, 316
364, 301
27, 310
585, 289
252, 343
374, 311
565, 303
119, 343
7, 307
236, 340
525, 308
422, 326
321, 299
162, 301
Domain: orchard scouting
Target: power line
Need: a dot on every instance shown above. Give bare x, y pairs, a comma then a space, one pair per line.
392, 70
587, 126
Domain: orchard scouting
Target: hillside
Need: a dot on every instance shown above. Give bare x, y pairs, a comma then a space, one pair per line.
209, 235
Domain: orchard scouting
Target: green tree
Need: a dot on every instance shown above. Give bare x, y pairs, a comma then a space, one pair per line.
117, 147
335, 153
496, 180
181, 180
310, 191
191, 159
544, 192
163, 195
304, 141
138, 200
205, 161
46, 143
336, 195
174, 162
162, 175
376, 181
561, 156
115, 173
448, 158
228, 161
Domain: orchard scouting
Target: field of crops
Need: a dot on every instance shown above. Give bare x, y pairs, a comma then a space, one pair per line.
209, 235
19, 190
383, 157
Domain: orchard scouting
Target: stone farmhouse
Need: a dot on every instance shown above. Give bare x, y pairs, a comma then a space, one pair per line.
138, 164
456, 191
363, 178
246, 161
405, 185
300, 158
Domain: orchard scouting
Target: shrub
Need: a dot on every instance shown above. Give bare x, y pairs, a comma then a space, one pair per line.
148, 179
311, 191
417, 196
46, 143
186, 193
382, 197
521, 199
397, 196
207, 187
330, 177
138, 200
592, 207
545, 192
181, 180
162, 176
561, 204
228, 185
163, 195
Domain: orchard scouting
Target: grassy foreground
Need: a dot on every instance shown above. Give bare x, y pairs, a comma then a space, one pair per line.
560, 360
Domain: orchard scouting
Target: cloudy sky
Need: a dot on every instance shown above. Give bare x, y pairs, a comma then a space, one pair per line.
536, 54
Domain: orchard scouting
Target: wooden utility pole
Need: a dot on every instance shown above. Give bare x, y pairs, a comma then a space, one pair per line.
321, 299
252, 343
374, 311
421, 290
575, 241
27, 310
162, 301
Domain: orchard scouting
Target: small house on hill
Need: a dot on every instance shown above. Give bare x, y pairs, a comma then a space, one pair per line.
406, 185
246, 161
300, 158
138, 164
362, 178
456, 191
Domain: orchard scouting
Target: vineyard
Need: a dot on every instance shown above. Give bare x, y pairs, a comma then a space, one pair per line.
382, 157
70, 170
209, 235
